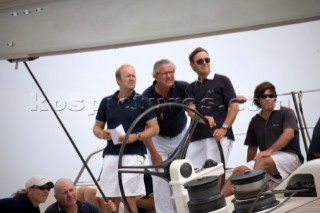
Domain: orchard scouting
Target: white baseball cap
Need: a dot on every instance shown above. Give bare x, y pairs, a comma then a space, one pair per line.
38, 180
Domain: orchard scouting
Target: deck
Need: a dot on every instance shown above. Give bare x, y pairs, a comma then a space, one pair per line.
312, 206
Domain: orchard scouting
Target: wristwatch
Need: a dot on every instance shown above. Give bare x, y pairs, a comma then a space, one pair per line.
225, 126
138, 137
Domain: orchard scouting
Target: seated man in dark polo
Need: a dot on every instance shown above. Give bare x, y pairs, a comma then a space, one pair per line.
272, 139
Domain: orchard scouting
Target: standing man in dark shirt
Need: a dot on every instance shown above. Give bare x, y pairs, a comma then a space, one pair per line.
172, 122
27, 200
214, 97
274, 131
122, 108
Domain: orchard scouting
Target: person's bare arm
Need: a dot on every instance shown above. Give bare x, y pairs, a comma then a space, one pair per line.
151, 129
191, 114
146, 203
100, 132
111, 207
155, 157
281, 142
230, 118
251, 152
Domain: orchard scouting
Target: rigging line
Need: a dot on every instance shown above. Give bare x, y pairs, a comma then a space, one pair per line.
303, 118
302, 128
306, 91
290, 93
66, 131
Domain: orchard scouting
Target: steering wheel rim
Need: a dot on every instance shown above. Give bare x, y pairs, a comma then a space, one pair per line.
178, 153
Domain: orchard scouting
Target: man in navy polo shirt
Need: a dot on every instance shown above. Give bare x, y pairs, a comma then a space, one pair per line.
214, 97
272, 139
122, 108
172, 122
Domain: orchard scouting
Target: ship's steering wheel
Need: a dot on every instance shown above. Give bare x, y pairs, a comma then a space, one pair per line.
160, 170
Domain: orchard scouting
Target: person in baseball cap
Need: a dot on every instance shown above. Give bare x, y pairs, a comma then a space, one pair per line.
27, 200
39, 181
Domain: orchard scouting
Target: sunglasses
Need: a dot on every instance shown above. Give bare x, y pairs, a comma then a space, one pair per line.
41, 188
268, 96
202, 60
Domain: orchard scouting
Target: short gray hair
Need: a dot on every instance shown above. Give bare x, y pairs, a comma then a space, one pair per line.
158, 64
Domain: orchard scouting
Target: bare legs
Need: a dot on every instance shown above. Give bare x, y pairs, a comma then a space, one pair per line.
89, 194
227, 188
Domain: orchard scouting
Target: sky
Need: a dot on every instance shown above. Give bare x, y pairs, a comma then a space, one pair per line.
33, 142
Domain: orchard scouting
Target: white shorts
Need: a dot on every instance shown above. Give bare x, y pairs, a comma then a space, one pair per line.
286, 163
200, 151
133, 183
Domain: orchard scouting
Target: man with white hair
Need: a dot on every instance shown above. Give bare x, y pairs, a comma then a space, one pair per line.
172, 122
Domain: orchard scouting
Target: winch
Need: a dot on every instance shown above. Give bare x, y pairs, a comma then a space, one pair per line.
249, 188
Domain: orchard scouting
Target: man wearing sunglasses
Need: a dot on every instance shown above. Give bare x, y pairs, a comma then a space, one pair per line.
214, 97
274, 131
172, 122
27, 200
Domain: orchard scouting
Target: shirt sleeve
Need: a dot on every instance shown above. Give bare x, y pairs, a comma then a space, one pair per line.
251, 136
228, 92
101, 116
190, 98
148, 104
289, 119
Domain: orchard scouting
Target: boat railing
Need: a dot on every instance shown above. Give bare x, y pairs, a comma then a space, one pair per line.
76, 181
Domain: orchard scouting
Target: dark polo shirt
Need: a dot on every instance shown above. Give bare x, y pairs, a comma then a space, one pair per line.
83, 207
263, 134
20, 204
212, 98
113, 112
171, 120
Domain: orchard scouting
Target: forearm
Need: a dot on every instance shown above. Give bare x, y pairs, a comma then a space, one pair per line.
146, 203
150, 146
232, 114
151, 130
283, 140
192, 115
251, 152
97, 131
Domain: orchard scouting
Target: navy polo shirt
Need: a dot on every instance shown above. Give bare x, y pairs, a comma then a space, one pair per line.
171, 120
114, 112
83, 207
212, 98
263, 134
19, 204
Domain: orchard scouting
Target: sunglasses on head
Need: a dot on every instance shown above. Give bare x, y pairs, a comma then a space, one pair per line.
267, 96
202, 60
41, 187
